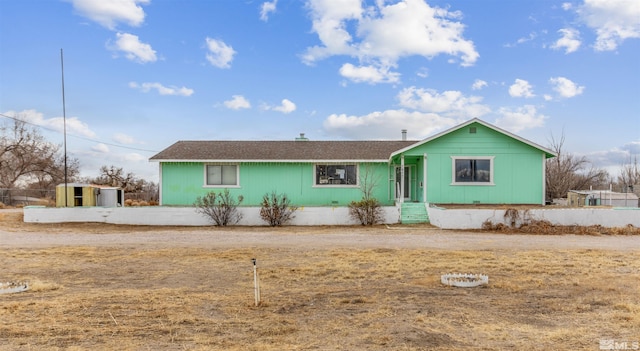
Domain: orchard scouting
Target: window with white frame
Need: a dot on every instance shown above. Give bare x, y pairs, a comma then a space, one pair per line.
336, 175
472, 170
221, 175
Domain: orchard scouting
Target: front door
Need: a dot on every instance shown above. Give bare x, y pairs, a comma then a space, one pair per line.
407, 183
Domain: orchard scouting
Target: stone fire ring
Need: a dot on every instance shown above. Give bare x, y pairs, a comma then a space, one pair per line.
464, 280
13, 287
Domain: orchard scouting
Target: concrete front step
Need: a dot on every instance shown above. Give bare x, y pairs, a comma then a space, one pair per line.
412, 213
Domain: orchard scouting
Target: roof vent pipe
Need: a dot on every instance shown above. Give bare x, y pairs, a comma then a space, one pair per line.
404, 135
302, 138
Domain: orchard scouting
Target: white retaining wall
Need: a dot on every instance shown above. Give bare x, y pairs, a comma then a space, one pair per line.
187, 216
473, 218
439, 217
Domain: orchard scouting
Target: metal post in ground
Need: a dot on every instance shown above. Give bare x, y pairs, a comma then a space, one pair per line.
256, 282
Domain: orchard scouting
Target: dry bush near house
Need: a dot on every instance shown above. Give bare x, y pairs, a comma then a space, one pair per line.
540, 227
135, 203
519, 220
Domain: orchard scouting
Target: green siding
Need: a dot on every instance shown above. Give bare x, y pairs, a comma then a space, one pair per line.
517, 175
517, 168
183, 182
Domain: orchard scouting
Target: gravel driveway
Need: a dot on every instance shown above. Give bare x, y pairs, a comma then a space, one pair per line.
324, 237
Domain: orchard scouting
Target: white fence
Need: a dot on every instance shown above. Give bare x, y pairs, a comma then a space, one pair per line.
473, 218
439, 217
187, 216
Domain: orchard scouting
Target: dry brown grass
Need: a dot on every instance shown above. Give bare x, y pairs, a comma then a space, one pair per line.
539, 227
144, 298
316, 299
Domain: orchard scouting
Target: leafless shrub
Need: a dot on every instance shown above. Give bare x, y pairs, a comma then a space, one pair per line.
276, 209
221, 208
366, 211
511, 216
542, 227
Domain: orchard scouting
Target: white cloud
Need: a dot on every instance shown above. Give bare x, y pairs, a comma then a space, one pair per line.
522, 118
448, 103
74, 126
614, 158
286, 106
329, 22
91, 159
135, 157
386, 125
109, 13
479, 84
521, 88
378, 36
369, 74
100, 148
567, 6
267, 8
123, 138
161, 89
633, 148
134, 49
423, 72
531, 37
614, 21
565, 87
237, 102
570, 40
219, 54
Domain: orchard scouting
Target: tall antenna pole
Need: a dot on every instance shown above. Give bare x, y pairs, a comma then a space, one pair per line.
64, 123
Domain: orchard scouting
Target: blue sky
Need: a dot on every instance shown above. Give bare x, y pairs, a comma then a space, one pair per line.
142, 74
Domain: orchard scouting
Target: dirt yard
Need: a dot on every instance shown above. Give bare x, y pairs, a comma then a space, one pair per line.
105, 287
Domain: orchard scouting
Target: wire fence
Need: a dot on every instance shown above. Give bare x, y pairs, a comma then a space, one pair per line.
47, 197
26, 197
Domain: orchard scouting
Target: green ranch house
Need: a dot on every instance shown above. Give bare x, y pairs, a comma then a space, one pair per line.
471, 163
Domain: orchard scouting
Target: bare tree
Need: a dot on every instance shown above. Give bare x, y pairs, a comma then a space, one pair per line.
46, 181
630, 175
114, 176
134, 187
569, 172
27, 157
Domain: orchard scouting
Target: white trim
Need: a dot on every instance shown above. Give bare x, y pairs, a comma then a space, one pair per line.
160, 184
331, 185
544, 180
402, 194
453, 170
327, 161
411, 170
231, 186
424, 178
479, 121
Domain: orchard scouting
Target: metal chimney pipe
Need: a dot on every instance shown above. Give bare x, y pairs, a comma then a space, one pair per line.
404, 135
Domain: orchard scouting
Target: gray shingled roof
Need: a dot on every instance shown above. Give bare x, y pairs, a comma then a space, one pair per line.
279, 150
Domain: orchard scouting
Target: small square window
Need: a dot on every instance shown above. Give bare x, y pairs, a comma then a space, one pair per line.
336, 175
472, 170
221, 175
